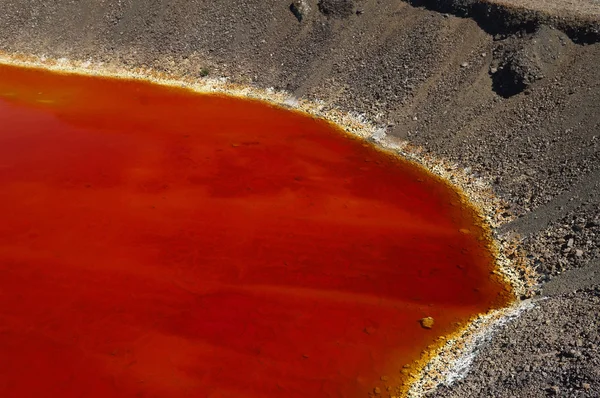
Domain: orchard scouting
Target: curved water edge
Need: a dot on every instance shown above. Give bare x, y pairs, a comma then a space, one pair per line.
439, 363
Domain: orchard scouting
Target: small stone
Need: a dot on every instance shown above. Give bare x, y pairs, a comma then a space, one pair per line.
384, 378
483, 54
377, 390
570, 242
493, 70
579, 253
554, 390
426, 323
586, 386
300, 9
464, 64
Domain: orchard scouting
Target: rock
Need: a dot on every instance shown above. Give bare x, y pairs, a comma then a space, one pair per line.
336, 8
464, 64
579, 253
427, 323
300, 9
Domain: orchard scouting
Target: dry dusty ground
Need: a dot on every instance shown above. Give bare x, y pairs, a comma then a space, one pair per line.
512, 94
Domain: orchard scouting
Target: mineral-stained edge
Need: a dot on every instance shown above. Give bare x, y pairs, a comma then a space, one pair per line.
450, 358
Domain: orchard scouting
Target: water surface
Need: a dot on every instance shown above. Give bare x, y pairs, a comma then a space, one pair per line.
157, 243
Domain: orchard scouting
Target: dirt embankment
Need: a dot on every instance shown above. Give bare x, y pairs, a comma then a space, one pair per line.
511, 93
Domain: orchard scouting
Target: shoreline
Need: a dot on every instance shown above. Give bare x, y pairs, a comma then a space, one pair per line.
447, 359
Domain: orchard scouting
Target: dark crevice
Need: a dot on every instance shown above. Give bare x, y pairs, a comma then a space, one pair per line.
506, 83
501, 20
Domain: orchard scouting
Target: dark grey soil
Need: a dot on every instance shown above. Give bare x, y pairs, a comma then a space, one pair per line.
517, 102
558, 345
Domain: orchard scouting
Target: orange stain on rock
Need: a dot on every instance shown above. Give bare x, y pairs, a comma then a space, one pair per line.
158, 243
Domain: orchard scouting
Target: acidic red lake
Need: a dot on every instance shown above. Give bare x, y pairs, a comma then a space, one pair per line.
159, 243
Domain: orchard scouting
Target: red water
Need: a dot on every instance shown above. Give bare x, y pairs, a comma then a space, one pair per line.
156, 243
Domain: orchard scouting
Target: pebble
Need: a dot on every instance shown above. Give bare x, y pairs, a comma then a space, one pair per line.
300, 8
427, 323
